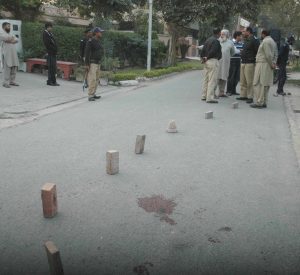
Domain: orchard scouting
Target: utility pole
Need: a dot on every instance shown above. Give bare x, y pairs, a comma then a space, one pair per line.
149, 35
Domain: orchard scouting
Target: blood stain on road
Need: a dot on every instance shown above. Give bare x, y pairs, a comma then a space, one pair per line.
214, 240
159, 205
225, 229
142, 269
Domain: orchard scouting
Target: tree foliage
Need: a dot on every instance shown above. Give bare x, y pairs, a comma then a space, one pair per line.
22, 9
179, 14
282, 14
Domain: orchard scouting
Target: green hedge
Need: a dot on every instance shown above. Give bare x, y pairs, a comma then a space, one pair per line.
68, 39
129, 48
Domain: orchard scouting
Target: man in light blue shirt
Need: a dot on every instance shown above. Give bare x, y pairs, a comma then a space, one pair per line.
235, 64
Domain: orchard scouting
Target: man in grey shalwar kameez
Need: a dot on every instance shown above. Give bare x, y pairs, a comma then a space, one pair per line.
9, 56
228, 50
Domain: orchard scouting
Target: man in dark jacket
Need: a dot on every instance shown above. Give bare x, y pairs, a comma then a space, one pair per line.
283, 57
248, 57
93, 55
210, 55
88, 34
51, 48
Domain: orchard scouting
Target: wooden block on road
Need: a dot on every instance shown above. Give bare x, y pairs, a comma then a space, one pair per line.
235, 105
172, 128
209, 115
49, 200
54, 260
112, 162
140, 144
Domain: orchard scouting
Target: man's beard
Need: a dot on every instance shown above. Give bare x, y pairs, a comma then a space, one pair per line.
7, 30
223, 39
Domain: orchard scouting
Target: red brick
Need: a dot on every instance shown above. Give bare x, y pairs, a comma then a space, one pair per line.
49, 199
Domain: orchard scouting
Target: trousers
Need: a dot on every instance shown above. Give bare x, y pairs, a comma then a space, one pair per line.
246, 77
211, 68
93, 78
234, 75
51, 62
9, 73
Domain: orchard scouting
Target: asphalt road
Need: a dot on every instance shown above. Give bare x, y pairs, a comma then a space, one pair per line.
221, 196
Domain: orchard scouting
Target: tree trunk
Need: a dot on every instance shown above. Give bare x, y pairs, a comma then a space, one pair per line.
172, 55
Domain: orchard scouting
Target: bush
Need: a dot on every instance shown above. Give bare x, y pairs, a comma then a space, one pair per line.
130, 49
67, 39
122, 76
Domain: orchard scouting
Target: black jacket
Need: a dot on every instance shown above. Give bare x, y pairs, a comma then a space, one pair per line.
83, 45
93, 51
248, 54
283, 55
212, 48
49, 43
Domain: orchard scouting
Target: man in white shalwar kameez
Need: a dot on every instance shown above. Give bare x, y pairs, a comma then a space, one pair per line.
9, 56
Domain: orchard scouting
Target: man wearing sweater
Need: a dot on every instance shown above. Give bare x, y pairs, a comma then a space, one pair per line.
211, 54
248, 56
93, 55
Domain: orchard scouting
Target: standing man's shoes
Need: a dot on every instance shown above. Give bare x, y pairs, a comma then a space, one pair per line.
257, 106
6, 85
212, 101
97, 96
92, 99
264, 106
14, 84
249, 101
52, 84
241, 98
203, 99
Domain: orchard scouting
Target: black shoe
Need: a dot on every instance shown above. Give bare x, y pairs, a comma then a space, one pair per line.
242, 98
212, 101
53, 84
249, 101
204, 99
264, 106
92, 99
97, 96
256, 106
283, 93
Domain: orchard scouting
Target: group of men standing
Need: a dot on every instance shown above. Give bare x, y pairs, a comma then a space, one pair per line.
244, 59
91, 53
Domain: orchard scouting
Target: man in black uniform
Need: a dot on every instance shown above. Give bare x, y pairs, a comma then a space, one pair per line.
283, 57
88, 34
51, 48
92, 57
248, 56
210, 55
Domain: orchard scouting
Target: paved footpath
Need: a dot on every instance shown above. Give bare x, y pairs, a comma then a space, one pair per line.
221, 196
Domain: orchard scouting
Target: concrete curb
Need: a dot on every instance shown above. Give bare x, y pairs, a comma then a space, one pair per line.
295, 131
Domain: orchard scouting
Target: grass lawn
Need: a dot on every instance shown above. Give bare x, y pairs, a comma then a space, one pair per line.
133, 73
